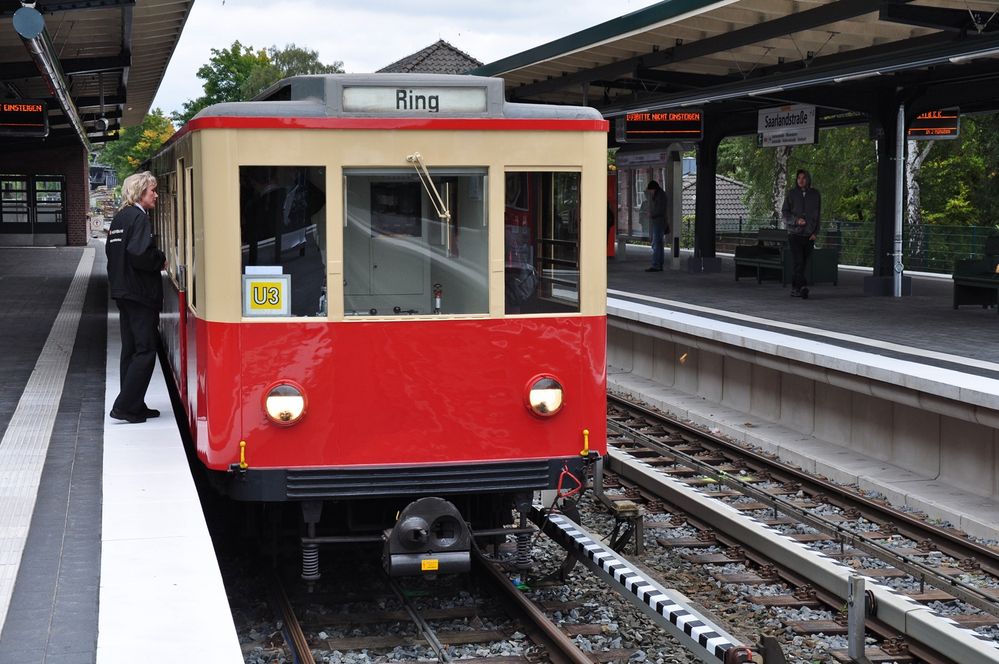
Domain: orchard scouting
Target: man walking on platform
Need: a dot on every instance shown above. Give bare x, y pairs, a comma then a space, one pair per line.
134, 265
657, 224
801, 211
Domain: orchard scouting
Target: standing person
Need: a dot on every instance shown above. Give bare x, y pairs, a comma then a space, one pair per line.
657, 224
134, 265
801, 211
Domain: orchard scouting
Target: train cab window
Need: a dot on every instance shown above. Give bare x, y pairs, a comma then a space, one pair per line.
282, 221
541, 252
402, 256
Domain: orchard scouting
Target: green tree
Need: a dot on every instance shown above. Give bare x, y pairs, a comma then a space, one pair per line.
224, 75
843, 165
137, 143
239, 73
959, 180
281, 63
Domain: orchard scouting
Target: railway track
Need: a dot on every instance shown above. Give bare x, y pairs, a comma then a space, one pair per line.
480, 617
928, 563
491, 615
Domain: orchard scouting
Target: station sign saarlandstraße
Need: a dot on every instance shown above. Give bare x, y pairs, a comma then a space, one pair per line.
24, 117
787, 125
661, 126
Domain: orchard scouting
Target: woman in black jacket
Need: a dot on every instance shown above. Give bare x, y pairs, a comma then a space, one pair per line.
134, 265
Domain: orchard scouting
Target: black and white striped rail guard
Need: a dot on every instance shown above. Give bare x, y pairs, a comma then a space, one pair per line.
667, 608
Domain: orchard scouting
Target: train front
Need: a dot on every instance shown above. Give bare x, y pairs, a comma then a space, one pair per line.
420, 340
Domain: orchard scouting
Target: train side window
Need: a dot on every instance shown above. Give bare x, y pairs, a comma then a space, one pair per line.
541, 235
192, 272
282, 221
401, 257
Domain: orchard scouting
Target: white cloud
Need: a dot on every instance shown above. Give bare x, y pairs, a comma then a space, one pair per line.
369, 35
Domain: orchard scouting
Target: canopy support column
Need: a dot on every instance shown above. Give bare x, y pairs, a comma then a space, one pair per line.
890, 128
704, 259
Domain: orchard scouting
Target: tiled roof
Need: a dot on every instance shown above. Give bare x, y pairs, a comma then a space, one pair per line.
438, 58
729, 195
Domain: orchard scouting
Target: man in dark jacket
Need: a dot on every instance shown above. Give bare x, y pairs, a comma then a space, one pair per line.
658, 227
801, 211
134, 265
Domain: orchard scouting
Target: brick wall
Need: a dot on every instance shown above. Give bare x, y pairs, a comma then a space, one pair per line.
69, 161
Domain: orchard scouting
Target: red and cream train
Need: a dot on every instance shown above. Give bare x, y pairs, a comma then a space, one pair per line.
386, 298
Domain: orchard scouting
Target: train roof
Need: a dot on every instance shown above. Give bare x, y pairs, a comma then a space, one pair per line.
391, 95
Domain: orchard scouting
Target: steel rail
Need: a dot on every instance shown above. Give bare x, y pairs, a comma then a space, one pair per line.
426, 631
915, 568
922, 627
302, 653
827, 486
793, 577
560, 647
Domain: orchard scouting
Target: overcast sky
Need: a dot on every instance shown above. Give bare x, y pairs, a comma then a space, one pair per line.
369, 34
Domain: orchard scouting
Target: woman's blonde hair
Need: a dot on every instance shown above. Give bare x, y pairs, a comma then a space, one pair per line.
134, 186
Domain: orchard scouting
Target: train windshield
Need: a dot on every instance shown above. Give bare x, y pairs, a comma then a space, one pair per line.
282, 221
401, 257
541, 235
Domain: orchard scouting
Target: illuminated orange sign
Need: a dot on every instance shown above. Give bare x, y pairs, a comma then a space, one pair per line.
945, 123
664, 126
23, 117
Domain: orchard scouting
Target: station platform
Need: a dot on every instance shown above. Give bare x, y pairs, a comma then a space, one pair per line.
923, 325
897, 396
104, 551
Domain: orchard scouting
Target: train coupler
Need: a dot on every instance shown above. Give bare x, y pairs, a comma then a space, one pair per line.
429, 538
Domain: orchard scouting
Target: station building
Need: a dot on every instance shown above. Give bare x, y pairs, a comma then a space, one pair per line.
72, 74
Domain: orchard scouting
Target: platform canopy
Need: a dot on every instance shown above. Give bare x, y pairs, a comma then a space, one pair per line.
747, 54
115, 51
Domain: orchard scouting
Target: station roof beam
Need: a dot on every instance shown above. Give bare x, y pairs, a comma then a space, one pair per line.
115, 49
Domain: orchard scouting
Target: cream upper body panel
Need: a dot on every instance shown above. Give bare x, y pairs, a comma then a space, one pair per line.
316, 121
223, 151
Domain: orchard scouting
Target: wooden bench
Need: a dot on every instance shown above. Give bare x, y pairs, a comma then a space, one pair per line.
976, 280
767, 256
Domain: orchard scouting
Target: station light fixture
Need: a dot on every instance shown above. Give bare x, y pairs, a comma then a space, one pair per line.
766, 91
968, 57
856, 77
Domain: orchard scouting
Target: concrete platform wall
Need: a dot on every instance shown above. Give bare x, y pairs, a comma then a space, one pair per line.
929, 435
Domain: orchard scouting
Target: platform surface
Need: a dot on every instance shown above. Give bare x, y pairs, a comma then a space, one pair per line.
924, 324
104, 552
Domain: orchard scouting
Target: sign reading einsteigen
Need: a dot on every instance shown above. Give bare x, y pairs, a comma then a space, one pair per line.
23, 117
786, 125
662, 126
413, 101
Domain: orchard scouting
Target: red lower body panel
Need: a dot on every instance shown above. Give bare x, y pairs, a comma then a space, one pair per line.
397, 392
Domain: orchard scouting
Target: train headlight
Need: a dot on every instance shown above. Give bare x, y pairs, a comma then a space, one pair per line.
284, 404
544, 395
